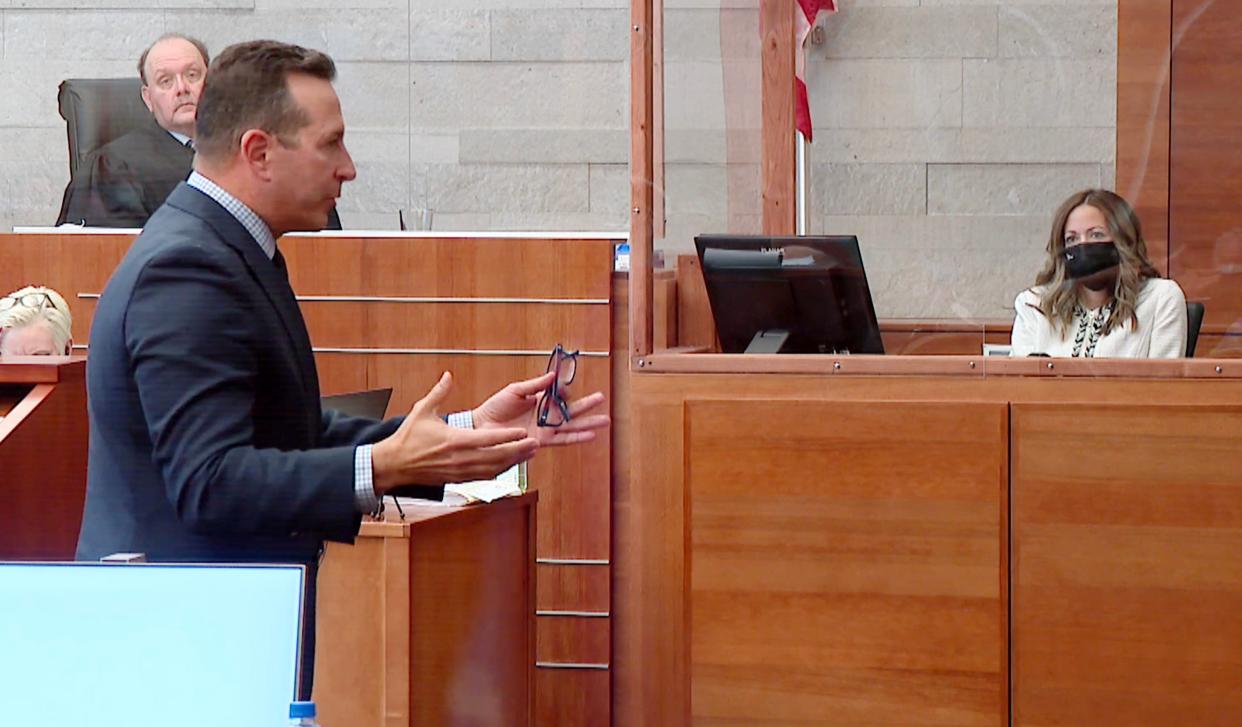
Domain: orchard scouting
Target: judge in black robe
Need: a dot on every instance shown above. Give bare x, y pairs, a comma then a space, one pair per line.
123, 182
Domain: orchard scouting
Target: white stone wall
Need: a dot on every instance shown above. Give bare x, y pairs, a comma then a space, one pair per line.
948, 132
500, 114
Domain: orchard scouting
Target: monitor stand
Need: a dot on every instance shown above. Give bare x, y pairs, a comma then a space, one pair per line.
767, 341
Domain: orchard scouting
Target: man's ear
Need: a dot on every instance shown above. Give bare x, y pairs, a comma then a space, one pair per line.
256, 149
146, 97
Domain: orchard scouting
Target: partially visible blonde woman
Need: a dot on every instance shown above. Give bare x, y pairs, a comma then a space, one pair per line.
1098, 294
35, 321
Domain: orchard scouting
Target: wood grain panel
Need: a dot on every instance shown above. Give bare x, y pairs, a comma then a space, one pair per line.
572, 698
1127, 537
435, 587
776, 27
651, 684
438, 325
573, 588
43, 441
361, 661
902, 339
482, 562
572, 639
1206, 161
642, 174
695, 325
343, 373
502, 268
70, 264
1143, 116
1214, 345
820, 553
664, 307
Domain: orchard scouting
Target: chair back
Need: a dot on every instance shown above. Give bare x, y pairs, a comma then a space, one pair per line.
1194, 320
98, 110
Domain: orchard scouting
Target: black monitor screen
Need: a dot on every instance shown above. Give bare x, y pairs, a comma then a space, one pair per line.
789, 294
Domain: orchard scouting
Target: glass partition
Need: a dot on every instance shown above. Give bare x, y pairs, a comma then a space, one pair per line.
946, 136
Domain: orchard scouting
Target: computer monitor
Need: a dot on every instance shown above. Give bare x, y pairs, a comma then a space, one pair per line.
370, 404
789, 294
120, 645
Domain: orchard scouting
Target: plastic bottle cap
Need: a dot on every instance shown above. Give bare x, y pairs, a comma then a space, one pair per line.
301, 709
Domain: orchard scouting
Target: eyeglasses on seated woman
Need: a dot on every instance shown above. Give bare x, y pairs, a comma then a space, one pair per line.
35, 321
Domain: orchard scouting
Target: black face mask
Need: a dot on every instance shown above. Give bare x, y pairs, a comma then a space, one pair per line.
1089, 259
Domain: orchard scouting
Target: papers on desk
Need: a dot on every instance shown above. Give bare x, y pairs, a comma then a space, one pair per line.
510, 483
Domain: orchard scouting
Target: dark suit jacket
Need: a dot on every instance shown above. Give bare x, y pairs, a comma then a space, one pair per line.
123, 182
207, 438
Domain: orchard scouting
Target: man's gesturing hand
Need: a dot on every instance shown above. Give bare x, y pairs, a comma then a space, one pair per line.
426, 451
514, 406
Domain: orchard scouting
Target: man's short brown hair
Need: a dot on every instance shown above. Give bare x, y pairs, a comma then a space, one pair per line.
142, 59
247, 89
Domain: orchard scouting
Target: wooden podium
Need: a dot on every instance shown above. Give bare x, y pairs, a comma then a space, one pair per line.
43, 439
430, 620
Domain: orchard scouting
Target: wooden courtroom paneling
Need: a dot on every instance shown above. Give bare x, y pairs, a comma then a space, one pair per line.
359, 659
824, 539
446, 325
572, 639
566, 284
651, 685
573, 587
651, 610
577, 697
70, 264
43, 440
1143, 123
1127, 550
942, 338
695, 326
1206, 167
448, 634
776, 26
484, 561
343, 373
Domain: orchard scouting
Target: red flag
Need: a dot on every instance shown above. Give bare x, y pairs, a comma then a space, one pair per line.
804, 20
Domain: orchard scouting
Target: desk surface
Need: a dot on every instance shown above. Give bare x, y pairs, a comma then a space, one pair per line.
681, 362
392, 525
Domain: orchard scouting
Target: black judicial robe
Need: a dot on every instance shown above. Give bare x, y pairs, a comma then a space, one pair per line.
123, 182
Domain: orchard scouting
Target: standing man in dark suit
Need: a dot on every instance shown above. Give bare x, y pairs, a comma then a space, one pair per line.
207, 438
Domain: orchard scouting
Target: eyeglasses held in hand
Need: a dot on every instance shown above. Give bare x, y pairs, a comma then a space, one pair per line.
553, 409
29, 300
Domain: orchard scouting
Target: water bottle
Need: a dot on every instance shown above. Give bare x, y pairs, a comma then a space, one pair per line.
622, 259
302, 714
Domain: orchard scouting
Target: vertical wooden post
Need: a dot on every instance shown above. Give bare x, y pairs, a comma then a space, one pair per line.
1144, 107
776, 23
641, 177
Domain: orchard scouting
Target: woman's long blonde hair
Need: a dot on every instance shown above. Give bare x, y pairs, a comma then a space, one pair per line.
1061, 296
